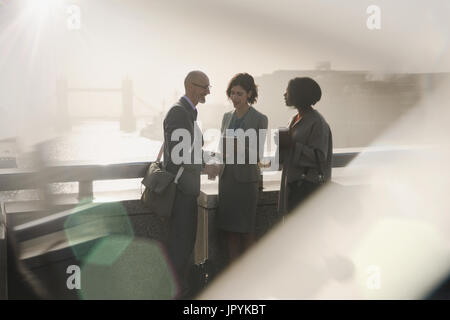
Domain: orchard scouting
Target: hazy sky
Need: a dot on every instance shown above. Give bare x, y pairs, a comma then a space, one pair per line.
157, 42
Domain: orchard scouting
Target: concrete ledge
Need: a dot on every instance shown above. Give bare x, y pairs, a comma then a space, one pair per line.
208, 198
24, 211
8, 162
56, 247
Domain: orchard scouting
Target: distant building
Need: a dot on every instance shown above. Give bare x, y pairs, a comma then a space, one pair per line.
323, 65
359, 105
8, 153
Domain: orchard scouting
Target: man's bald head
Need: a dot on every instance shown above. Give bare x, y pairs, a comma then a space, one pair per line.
194, 76
197, 86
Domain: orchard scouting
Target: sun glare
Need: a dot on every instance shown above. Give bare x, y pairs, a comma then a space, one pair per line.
44, 8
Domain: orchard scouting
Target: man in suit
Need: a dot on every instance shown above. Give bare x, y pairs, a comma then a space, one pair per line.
183, 222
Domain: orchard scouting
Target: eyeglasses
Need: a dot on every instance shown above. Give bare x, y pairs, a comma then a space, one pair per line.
206, 87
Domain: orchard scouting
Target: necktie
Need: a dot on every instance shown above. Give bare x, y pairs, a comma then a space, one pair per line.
195, 114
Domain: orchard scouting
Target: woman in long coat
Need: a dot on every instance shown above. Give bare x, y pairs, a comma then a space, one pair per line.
306, 161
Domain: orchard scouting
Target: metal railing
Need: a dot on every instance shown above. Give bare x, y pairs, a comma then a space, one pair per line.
86, 174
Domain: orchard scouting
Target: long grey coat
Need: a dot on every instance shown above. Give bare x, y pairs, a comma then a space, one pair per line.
309, 133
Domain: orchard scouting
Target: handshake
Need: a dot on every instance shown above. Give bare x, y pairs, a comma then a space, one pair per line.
213, 165
212, 170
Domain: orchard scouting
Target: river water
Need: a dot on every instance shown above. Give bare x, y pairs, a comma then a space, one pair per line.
93, 142
98, 142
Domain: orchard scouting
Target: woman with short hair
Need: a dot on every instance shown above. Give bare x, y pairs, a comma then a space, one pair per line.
306, 161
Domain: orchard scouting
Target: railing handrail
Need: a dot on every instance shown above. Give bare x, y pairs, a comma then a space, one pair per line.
18, 179
87, 172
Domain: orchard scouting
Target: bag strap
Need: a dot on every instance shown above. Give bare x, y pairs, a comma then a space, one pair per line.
180, 169
179, 173
158, 159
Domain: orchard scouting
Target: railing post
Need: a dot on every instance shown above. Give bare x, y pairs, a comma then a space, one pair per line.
3, 255
43, 176
63, 123
85, 190
127, 119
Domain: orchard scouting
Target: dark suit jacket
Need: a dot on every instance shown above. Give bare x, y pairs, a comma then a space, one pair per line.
183, 116
253, 120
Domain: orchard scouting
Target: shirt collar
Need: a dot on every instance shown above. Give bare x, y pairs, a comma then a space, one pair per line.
296, 119
190, 102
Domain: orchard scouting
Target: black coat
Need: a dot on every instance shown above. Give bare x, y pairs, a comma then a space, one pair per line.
309, 133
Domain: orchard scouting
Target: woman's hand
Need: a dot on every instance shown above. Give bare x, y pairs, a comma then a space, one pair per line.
277, 137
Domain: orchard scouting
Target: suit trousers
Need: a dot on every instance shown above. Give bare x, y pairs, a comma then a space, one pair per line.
182, 233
